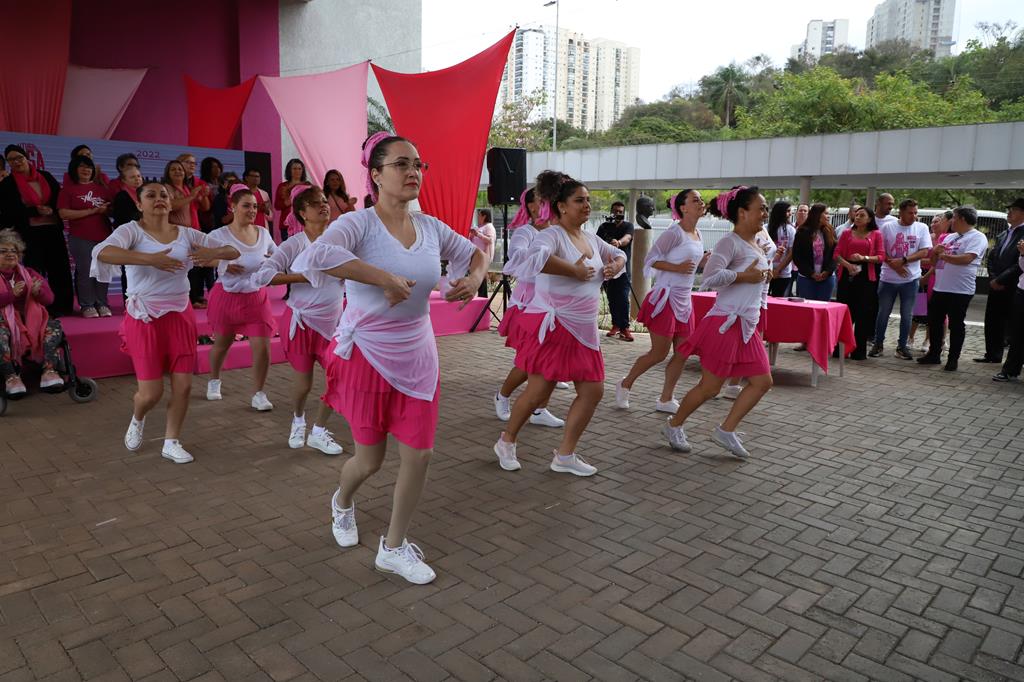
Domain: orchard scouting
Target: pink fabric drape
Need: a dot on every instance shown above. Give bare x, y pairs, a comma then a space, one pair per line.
447, 115
325, 114
96, 99
215, 114
36, 44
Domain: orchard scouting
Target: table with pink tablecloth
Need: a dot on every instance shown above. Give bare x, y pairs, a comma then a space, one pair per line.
820, 325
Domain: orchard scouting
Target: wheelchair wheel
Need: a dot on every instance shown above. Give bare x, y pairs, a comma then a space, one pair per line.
84, 390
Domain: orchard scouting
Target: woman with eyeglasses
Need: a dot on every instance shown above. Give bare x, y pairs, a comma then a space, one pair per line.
309, 320
28, 203
382, 368
159, 328
294, 174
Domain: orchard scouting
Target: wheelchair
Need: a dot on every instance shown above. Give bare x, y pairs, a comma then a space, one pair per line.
80, 389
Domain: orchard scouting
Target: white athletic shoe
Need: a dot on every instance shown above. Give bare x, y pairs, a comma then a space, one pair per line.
669, 406
574, 464
545, 418
213, 390
406, 561
297, 436
732, 391
730, 441
324, 442
563, 385
676, 436
261, 402
343, 523
502, 406
174, 452
133, 436
506, 453
621, 396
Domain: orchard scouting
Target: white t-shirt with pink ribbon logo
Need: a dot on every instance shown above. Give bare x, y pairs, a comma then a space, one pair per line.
960, 279
902, 241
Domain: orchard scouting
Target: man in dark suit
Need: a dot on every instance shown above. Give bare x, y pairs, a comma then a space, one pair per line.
1003, 272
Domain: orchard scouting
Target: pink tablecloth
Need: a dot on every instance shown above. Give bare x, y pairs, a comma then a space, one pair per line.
820, 325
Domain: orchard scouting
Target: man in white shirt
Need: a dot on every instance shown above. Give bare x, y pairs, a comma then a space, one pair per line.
956, 262
906, 241
483, 237
883, 209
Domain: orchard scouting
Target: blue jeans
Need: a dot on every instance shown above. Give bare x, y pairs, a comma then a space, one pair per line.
815, 291
887, 293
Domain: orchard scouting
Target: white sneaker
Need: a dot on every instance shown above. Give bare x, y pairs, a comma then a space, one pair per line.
502, 406
573, 465
621, 396
544, 418
731, 391
177, 454
343, 523
729, 441
297, 436
213, 390
669, 406
133, 436
261, 402
50, 379
506, 453
324, 442
563, 385
406, 561
676, 436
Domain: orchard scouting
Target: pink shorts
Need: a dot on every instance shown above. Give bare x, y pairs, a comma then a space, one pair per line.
725, 354
374, 408
306, 349
247, 314
167, 345
560, 358
664, 323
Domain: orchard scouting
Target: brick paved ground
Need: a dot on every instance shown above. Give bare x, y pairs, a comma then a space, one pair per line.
875, 534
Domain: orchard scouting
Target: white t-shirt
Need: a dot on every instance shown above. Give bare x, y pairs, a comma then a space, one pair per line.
960, 279
784, 241
250, 258
901, 241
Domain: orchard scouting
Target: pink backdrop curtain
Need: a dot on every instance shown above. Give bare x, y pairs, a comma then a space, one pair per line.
36, 43
215, 114
447, 115
96, 99
325, 114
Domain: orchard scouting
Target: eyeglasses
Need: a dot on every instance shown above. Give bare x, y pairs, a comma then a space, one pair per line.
15, 158
404, 165
8, 252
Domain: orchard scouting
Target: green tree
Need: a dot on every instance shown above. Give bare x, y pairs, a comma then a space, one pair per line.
809, 103
725, 90
377, 117
512, 126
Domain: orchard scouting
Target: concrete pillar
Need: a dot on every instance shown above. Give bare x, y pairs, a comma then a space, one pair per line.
805, 190
634, 194
642, 241
872, 195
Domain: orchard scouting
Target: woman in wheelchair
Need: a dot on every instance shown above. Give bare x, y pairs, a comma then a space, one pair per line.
26, 330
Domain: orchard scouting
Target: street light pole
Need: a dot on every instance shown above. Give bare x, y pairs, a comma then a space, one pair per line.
554, 115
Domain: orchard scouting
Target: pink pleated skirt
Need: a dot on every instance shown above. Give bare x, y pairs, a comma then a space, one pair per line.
167, 345
664, 323
374, 408
511, 327
726, 355
560, 358
247, 314
306, 349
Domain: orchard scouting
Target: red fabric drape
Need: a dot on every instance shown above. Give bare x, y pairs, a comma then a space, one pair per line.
214, 114
37, 38
447, 114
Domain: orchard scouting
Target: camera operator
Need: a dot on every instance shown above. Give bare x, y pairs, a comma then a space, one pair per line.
619, 233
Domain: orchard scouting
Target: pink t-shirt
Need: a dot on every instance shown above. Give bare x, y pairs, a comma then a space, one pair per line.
78, 197
819, 252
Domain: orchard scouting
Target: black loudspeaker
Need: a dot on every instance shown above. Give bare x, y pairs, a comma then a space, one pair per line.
506, 169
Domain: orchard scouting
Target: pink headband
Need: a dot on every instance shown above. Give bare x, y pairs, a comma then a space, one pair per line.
523, 215
672, 207
299, 189
368, 146
723, 199
238, 187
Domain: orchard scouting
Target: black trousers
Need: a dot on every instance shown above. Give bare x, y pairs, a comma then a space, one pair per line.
780, 286
200, 280
998, 310
860, 295
46, 252
945, 305
618, 300
1015, 356
482, 291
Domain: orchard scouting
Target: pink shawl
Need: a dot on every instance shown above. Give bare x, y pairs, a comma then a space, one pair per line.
27, 334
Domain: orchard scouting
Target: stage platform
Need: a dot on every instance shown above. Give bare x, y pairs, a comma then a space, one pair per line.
96, 344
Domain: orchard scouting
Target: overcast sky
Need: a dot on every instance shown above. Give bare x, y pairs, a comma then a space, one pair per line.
678, 44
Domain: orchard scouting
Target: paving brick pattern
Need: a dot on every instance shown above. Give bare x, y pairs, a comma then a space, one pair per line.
875, 534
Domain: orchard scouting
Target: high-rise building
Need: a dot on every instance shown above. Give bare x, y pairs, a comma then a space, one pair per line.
597, 78
925, 24
822, 37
